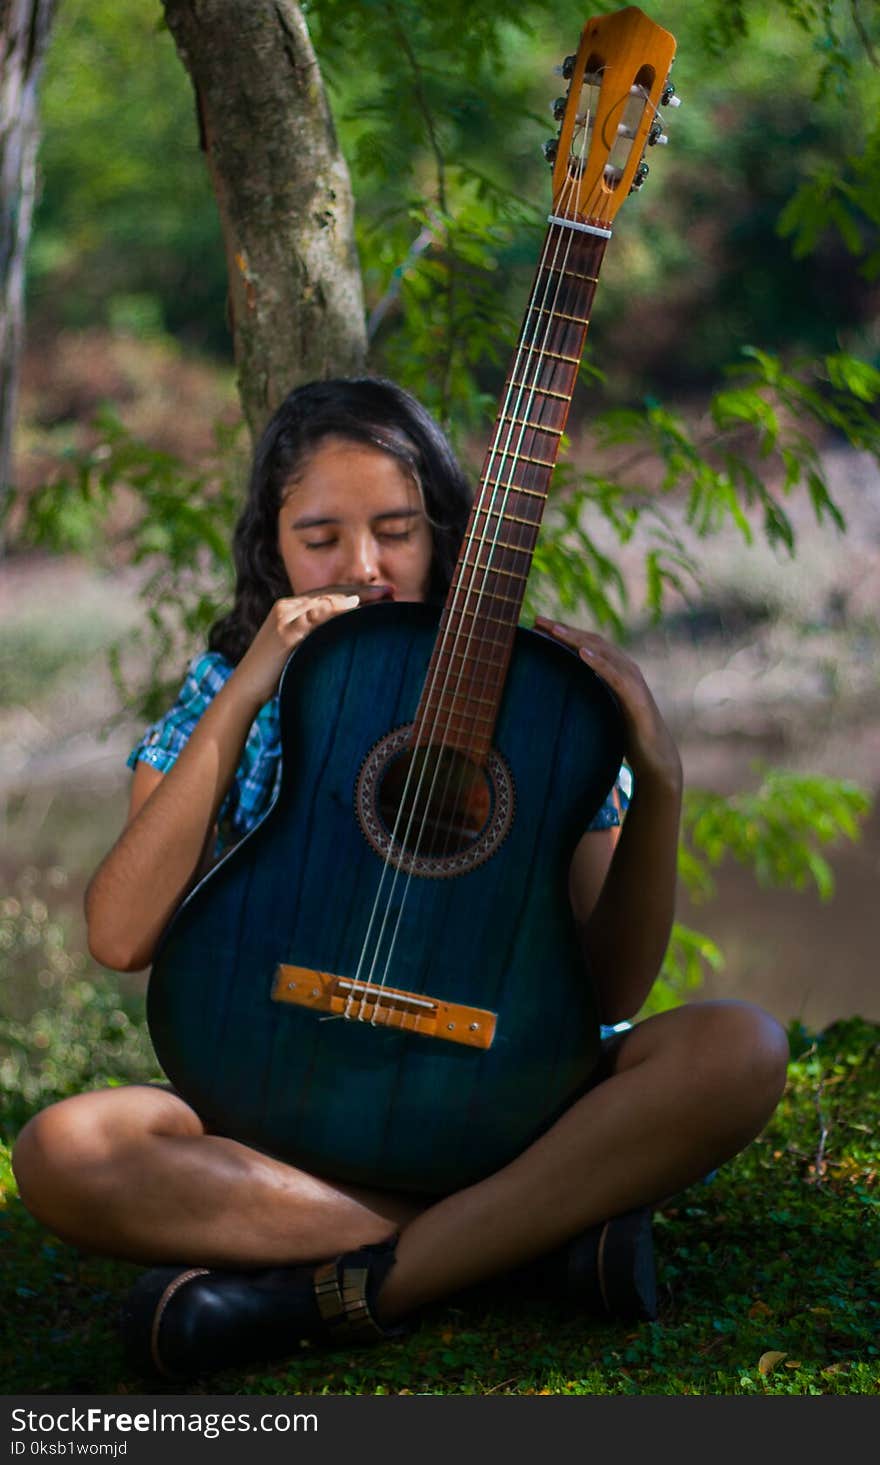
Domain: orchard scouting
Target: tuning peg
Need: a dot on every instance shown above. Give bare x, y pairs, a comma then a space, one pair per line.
550, 148
668, 97
566, 68
657, 135
558, 107
639, 177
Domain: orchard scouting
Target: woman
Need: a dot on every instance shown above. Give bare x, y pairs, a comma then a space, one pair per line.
353, 485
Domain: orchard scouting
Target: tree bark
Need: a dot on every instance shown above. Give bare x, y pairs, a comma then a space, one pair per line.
24, 30
283, 193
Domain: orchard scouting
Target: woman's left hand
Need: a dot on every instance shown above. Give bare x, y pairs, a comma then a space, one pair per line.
650, 749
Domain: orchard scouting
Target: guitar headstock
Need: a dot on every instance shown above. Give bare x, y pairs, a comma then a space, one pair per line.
618, 80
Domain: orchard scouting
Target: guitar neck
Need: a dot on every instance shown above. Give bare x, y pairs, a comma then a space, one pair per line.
466, 676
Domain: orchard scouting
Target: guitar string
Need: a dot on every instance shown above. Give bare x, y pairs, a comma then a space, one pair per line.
448, 632
474, 538
531, 351
479, 538
537, 350
540, 352
515, 530
585, 124
510, 460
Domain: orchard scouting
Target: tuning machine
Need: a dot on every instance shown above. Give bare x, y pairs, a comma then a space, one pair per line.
656, 134
566, 68
550, 148
639, 176
668, 97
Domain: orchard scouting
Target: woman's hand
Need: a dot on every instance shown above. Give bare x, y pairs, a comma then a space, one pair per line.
288, 623
650, 750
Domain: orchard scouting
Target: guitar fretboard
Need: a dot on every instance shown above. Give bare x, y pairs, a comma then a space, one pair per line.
465, 680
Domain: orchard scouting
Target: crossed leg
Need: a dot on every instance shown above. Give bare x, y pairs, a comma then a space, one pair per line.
132, 1172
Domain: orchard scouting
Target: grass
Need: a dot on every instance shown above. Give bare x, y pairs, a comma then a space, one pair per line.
769, 1279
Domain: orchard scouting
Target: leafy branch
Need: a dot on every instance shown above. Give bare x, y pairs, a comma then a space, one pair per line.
777, 831
121, 499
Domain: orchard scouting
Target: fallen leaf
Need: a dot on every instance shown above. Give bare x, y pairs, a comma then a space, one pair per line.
759, 1309
768, 1361
792, 1363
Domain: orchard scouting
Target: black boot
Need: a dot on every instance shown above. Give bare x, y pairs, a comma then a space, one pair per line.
607, 1271
185, 1321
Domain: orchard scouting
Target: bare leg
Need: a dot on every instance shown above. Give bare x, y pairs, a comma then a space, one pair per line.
132, 1173
690, 1089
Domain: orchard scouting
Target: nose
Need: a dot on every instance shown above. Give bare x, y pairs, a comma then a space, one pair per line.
363, 566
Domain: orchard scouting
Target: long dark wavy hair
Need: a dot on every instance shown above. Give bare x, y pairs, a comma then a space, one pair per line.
364, 410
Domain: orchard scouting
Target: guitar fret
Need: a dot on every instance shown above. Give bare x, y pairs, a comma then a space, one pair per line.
449, 713
467, 697
534, 426
506, 544
493, 595
534, 493
560, 314
557, 356
514, 518
495, 570
572, 274
468, 655
545, 391
525, 458
481, 615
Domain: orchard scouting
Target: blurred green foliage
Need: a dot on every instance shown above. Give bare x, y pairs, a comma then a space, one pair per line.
126, 230
442, 128
777, 830
81, 1030
438, 109
180, 532
455, 112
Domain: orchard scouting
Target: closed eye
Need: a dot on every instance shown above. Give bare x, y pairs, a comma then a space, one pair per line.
385, 535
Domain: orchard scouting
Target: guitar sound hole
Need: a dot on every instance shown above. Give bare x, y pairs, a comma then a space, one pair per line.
431, 811
435, 800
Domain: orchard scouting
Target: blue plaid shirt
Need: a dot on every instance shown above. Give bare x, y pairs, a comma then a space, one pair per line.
257, 773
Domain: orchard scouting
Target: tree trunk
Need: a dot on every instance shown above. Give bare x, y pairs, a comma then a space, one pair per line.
24, 30
283, 192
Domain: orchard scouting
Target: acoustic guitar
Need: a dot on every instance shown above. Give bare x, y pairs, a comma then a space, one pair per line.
382, 982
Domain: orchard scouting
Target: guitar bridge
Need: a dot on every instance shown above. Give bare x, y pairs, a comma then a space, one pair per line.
387, 1007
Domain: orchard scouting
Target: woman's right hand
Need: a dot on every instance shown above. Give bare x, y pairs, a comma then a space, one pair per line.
288, 623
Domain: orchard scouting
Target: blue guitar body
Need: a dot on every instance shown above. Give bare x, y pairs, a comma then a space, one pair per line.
346, 1098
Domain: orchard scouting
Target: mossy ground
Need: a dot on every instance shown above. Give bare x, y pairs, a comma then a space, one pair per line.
769, 1278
